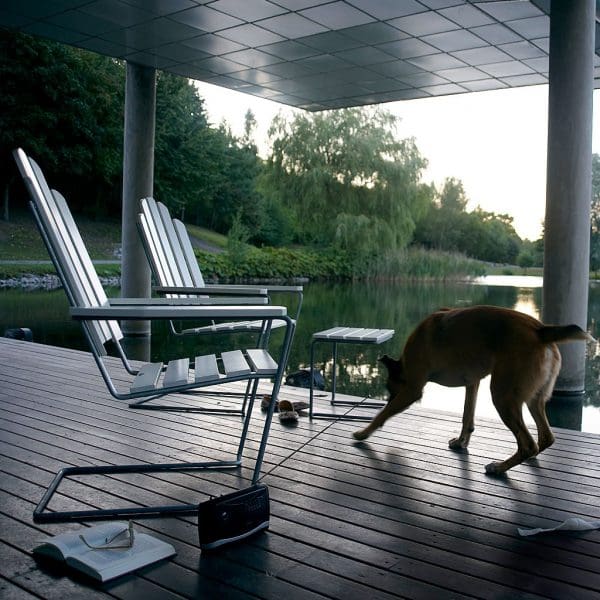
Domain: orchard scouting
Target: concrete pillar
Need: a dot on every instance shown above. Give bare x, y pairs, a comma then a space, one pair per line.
568, 191
138, 182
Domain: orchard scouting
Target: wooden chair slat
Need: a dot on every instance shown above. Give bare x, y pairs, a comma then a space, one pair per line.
262, 361
177, 372
147, 378
235, 364
206, 368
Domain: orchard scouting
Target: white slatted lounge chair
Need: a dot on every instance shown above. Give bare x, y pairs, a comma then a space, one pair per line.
176, 270
178, 275
99, 317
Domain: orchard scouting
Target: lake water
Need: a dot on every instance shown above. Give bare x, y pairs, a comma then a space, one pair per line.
392, 305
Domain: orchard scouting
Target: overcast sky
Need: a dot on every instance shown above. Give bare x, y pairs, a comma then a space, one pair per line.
494, 142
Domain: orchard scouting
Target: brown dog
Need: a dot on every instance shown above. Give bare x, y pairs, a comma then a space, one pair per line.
456, 347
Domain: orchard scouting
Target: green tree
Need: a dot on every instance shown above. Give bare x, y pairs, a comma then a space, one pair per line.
449, 221
64, 106
445, 223
496, 239
237, 194
530, 254
453, 197
186, 168
204, 174
343, 177
250, 125
448, 226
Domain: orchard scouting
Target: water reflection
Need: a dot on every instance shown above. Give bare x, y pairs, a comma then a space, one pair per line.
398, 306
518, 281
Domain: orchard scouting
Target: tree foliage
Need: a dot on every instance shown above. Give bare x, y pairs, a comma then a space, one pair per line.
448, 226
180, 144
204, 174
65, 107
342, 177
338, 178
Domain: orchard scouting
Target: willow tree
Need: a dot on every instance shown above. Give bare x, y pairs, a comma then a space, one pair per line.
346, 179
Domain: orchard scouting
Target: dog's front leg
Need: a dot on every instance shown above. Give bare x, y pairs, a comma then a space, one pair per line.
468, 420
395, 405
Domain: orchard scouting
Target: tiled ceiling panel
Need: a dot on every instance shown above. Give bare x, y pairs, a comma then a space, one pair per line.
337, 15
292, 25
313, 54
423, 24
249, 9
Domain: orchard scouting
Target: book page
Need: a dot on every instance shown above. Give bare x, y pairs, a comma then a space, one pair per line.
110, 563
69, 544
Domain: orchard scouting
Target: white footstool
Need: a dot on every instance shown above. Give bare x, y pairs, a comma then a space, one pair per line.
343, 335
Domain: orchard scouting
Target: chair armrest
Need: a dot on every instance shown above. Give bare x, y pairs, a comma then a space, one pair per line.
236, 289
195, 301
285, 288
213, 290
260, 289
149, 312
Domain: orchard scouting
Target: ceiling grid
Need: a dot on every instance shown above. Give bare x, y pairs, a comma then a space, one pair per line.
312, 54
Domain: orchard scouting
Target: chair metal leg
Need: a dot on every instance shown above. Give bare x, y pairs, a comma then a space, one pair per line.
285, 353
247, 417
247, 394
41, 515
141, 405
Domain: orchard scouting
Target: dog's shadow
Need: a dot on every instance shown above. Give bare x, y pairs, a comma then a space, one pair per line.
376, 456
366, 448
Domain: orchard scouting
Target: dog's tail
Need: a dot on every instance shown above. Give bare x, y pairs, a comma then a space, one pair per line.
549, 334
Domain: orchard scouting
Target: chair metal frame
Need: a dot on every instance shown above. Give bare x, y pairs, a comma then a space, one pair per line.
98, 316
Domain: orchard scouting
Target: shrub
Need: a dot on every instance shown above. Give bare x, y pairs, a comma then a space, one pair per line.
287, 263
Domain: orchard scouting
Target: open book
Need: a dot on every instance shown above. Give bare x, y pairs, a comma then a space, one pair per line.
105, 551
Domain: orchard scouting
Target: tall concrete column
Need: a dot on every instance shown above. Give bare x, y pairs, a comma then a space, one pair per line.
568, 191
138, 182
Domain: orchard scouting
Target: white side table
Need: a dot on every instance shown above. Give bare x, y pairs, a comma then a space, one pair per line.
343, 335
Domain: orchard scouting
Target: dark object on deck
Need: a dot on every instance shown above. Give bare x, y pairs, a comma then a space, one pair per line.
19, 333
302, 379
233, 517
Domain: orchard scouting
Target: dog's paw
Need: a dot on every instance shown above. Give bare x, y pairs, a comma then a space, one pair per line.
457, 444
495, 468
360, 435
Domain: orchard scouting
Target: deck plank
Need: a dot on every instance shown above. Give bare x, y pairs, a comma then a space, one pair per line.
397, 516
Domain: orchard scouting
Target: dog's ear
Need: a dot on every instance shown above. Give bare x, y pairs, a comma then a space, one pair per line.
393, 366
385, 359
395, 375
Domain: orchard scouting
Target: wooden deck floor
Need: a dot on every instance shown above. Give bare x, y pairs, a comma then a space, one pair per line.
399, 516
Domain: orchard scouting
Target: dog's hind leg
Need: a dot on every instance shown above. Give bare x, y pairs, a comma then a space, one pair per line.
509, 401
537, 408
526, 446
468, 420
395, 405
537, 405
